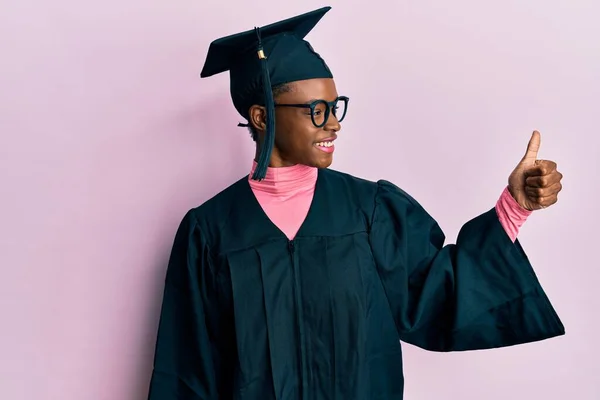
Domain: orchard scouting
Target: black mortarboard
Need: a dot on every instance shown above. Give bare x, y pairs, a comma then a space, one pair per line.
259, 59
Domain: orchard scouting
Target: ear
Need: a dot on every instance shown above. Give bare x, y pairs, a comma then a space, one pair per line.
258, 118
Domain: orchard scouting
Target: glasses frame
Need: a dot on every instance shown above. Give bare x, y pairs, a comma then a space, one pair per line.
328, 109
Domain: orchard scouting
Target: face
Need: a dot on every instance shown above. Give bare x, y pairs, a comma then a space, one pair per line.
297, 139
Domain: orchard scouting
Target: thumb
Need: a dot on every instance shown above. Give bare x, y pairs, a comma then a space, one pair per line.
532, 149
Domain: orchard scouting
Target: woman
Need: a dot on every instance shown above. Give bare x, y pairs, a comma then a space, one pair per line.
297, 281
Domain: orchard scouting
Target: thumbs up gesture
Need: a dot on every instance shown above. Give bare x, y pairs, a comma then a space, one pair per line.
534, 183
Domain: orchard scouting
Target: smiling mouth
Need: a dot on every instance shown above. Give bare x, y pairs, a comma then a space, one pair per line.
325, 146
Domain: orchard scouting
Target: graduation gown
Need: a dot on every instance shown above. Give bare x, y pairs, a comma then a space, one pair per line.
249, 314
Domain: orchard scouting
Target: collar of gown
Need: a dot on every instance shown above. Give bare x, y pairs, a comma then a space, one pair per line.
285, 180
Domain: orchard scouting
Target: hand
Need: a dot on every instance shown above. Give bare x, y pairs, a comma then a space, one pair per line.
534, 183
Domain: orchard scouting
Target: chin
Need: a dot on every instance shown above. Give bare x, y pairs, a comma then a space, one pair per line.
323, 163
313, 160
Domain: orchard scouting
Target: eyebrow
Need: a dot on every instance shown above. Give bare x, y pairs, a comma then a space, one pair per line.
312, 100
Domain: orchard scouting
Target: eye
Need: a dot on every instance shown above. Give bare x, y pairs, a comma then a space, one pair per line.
318, 112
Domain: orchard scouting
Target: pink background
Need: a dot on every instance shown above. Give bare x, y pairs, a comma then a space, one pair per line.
109, 136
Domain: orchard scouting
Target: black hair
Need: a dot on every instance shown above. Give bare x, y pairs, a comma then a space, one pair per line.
277, 90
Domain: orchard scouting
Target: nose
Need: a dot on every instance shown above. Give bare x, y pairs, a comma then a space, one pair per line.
332, 125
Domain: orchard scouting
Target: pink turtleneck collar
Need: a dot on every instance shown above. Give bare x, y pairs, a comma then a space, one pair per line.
285, 195
285, 181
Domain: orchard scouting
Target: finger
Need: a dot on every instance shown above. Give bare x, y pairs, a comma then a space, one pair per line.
543, 192
549, 164
539, 193
540, 181
544, 202
548, 201
542, 167
532, 148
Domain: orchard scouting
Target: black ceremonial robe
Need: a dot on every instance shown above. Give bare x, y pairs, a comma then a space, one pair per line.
248, 314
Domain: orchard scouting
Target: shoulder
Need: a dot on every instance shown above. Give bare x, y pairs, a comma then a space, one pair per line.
345, 181
210, 215
390, 191
357, 193
368, 190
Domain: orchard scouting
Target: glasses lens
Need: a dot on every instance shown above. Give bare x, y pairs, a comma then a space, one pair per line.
339, 110
319, 113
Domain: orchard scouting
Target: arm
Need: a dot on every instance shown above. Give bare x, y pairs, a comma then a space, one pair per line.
478, 293
190, 352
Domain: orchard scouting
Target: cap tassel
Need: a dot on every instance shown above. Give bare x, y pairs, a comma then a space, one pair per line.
269, 140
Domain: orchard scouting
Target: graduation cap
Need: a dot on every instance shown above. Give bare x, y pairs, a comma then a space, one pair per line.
262, 58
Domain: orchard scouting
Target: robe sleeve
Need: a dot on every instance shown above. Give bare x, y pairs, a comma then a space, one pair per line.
190, 356
478, 293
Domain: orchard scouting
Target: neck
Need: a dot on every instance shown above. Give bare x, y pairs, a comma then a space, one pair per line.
276, 161
285, 180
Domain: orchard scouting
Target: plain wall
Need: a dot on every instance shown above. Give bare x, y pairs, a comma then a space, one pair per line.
108, 136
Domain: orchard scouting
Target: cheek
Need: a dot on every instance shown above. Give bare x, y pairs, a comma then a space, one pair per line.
295, 134
303, 138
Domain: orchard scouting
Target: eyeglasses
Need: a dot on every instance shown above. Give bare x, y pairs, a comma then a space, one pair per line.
321, 109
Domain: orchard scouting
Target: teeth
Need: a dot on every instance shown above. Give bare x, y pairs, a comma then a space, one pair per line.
325, 144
